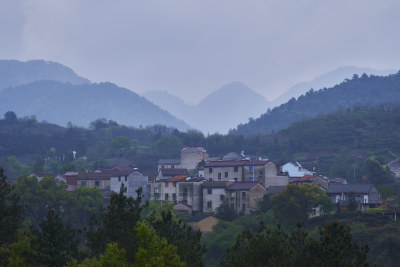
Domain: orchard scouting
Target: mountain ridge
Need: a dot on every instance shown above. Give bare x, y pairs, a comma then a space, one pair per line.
362, 91
61, 103
226, 106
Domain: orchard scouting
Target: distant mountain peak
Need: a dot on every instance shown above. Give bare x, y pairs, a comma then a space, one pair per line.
15, 73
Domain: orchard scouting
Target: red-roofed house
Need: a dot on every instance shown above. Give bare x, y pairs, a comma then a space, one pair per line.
168, 173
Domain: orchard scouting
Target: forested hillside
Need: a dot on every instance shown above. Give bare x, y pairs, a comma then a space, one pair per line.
336, 144
358, 91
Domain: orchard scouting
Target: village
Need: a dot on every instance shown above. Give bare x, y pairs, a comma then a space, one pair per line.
198, 184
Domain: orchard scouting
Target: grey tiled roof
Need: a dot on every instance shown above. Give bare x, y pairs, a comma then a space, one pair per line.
229, 163
347, 188
272, 190
169, 161
174, 172
241, 186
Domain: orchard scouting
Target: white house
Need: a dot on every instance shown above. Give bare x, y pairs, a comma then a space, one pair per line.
132, 182
295, 170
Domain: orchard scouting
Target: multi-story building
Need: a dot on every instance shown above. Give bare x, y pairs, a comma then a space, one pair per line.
177, 189
132, 183
168, 164
263, 171
214, 194
243, 196
366, 195
192, 156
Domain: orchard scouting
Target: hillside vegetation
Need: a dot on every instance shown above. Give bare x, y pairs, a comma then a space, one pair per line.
358, 91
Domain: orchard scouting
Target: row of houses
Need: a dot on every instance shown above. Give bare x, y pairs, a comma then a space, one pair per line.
237, 179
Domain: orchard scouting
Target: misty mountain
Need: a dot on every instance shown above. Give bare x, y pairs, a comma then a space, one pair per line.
15, 73
329, 79
61, 103
227, 106
358, 91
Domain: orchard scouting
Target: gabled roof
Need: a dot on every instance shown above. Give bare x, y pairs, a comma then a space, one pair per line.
119, 170
231, 163
217, 184
173, 171
42, 174
232, 156
347, 188
242, 186
198, 217
169, 162
199, 148
93, 176
306, 178
272, 190
180, 178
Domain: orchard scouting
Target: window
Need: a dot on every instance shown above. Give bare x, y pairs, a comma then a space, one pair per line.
156, 191
83, 183
209, 204
221, 197
210, 179
243, 194
97, 183
166, 196
210, 170
166, 184
126, 178
260, 173
209, 191
236, 179
251, 179
119, 178
219, 176
235, 169
172, 166
226, 174
174, 196
174, 184
162, 166
243, 207
185, 192
251, 168
126, 189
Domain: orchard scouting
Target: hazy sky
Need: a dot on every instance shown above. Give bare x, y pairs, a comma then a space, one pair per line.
191, 48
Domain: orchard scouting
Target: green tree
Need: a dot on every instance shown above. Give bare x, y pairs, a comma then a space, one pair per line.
153, 250
337, 248
386, 192
56, 241
225, 211
116, 224
112, 257
177, 233
122, 146
167, 147
375, 172
10, 210
275, 247
264, 204
38, 166
23, 252
294, 203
